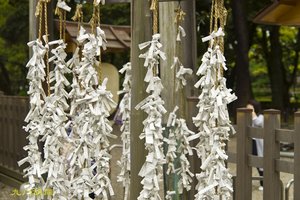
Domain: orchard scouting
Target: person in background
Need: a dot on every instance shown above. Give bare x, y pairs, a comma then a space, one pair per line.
257, 144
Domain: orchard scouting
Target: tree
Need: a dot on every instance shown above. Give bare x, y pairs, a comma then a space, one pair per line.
13, 49
243, 84
14, 29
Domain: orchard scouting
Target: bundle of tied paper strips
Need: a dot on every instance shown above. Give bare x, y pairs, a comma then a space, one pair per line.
90, 128
179, 134
153, 105
124, 112
76, 144
214, 181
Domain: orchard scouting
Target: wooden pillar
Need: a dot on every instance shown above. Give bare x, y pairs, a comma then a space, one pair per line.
297, 156
167, 30
32, 23
190, 43
244, 171
271, 153
189, 60
141, 32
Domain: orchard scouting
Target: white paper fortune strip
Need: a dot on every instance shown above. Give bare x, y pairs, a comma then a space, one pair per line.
125, 106
54, 120
212, 121
179, 134
62, 4
179, 139
36, 75
180, 70
153, 105
90, 129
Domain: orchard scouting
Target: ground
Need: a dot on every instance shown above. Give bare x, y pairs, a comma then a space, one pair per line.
6, 191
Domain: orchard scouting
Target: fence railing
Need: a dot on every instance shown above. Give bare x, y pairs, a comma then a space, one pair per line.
272, 135
12, 137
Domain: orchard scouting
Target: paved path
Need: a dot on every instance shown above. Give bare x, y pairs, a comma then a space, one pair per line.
5, 192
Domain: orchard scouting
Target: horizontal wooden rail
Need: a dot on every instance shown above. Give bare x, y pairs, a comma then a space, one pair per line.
255, 132
255, 161
12, 173
284, 135
284, 166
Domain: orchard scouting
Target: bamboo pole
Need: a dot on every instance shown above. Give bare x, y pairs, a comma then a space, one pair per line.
141, 32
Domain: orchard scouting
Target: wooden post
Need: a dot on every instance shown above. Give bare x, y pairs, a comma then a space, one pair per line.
189, 60
32, 23
297, 156
244, 171
141, 32
168, 40
271, 152
190, 43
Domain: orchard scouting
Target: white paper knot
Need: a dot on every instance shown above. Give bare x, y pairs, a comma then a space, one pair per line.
63, 5
213, 35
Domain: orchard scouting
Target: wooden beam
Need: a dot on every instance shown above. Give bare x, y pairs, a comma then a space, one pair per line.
189, 60
141, 32
32, 23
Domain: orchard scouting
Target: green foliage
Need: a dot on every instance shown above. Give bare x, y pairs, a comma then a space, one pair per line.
13, 50
14, 31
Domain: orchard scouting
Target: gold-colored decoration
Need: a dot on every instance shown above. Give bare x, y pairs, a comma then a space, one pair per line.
94, 22
179, 18
62, 22
218, 20
78, 16
47, 40
154, 9
42, 12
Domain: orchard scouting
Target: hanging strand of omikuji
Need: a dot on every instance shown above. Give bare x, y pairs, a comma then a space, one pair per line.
179, 134
124, 112
212, 120
89, 158
54, 118
152, 170
36, 76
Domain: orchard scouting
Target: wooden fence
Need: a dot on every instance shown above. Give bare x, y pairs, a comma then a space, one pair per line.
12, 138
273, 135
